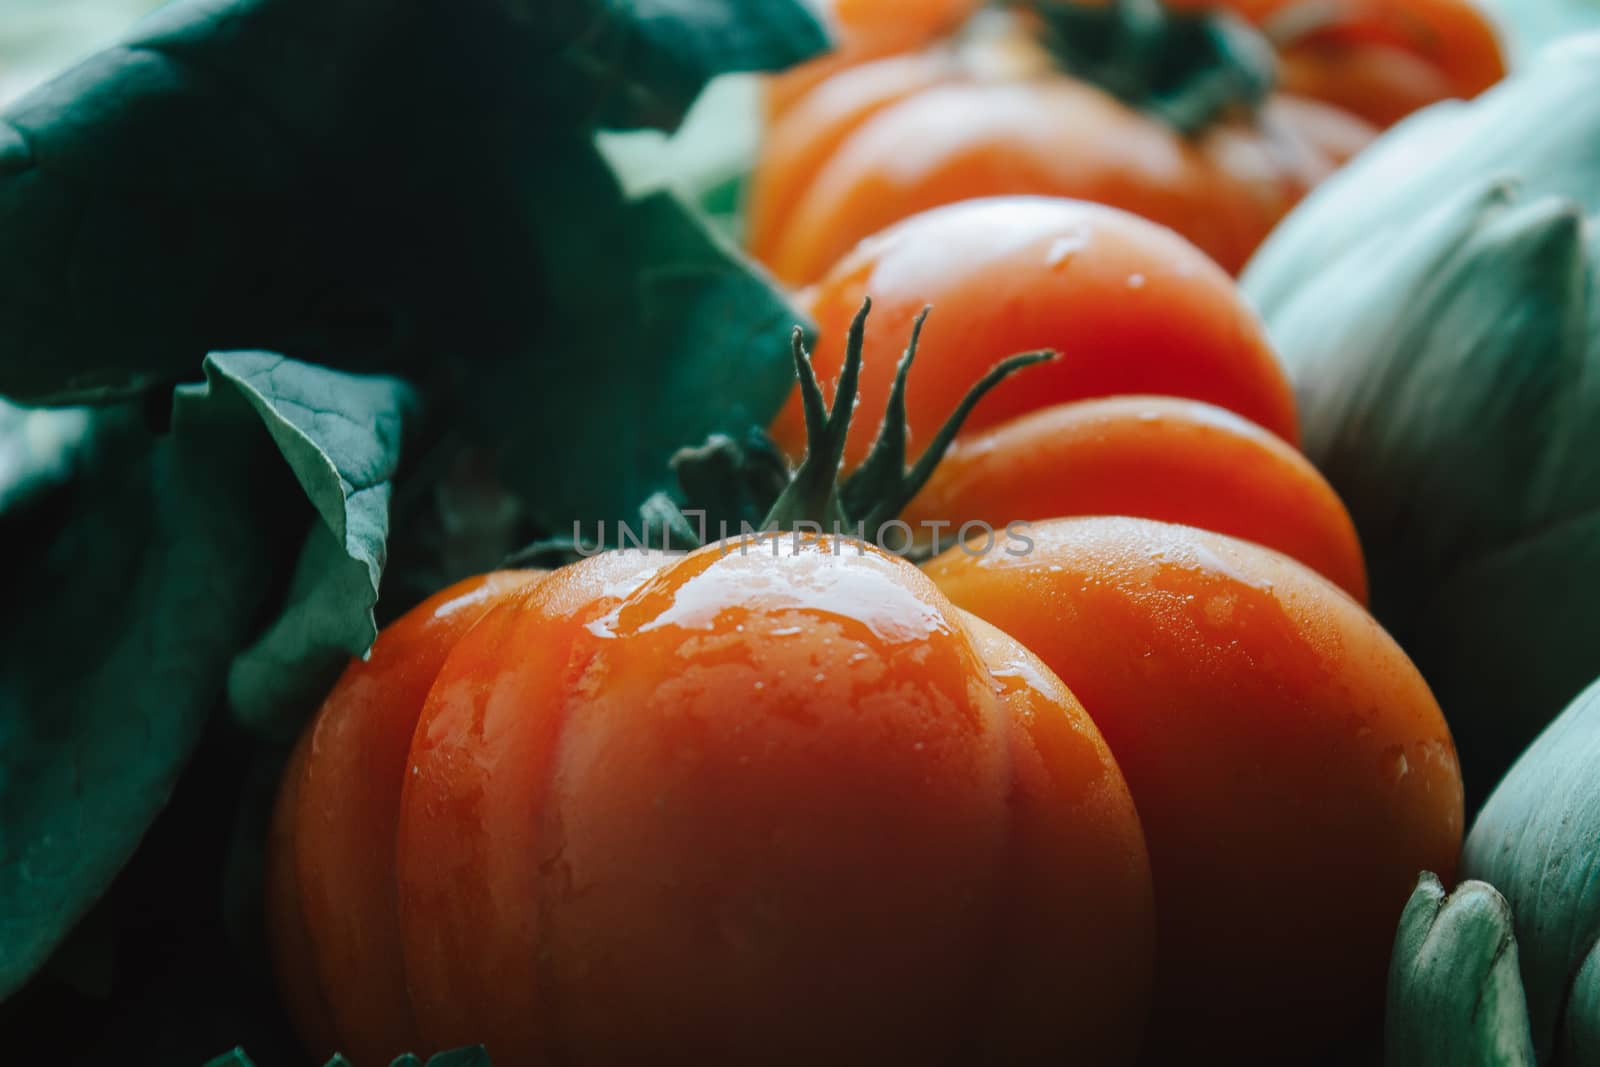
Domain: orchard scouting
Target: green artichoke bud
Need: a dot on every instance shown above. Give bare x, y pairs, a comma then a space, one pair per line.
1455, 992
1438, 307
1540, 130
1538, 841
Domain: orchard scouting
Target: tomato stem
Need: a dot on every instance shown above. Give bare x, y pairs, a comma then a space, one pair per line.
883, 485
1186, 69
727, 483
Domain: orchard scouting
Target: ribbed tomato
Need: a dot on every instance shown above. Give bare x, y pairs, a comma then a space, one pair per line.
743, 805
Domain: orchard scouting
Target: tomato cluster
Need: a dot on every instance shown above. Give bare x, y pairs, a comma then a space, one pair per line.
1144, 782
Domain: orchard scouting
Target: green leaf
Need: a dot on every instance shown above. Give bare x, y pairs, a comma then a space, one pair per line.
359, 184
658, 59
1455, 996
408, 1060
683, 343
137, 606
341, 435
138, 603
1536, 840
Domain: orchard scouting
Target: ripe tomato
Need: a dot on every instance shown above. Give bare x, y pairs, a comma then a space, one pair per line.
1132, 307
846, 161
331, 862
1380, 59
1151, 457
1292, 771
863, 30
741, 806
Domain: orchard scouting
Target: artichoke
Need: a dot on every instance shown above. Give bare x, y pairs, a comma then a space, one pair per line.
1437, 306
1505, 971
1537, 841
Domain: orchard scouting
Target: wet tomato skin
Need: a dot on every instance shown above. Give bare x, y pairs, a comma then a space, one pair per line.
964, 138
1291, 768
331, 870
1150, 457
757, 809
1132, 308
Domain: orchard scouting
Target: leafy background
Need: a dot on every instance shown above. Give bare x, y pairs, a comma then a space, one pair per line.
344, 301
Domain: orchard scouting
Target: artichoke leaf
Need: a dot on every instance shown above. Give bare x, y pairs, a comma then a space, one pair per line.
1455, 994
1536, 840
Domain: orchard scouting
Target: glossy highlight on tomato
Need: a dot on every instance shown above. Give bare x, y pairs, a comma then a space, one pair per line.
1131, 307
782, 804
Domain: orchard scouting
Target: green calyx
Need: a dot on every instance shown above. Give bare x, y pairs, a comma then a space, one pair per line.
883, 485
727, 486
1188, 70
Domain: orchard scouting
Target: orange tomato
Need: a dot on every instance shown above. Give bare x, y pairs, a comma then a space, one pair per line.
846, 160
866, 29
1380, 59
1291, 769
1131, 306
783, 805
814, 127
331, 859
1151, 457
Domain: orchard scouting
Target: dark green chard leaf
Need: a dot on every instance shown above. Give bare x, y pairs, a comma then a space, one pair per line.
341, 436
659, 54
682, 343
147, 580
159, 575
354, 183
1455, 995
1536, 840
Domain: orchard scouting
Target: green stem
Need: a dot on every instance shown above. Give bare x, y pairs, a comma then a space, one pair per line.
1188, 70
725, 482
883, 485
